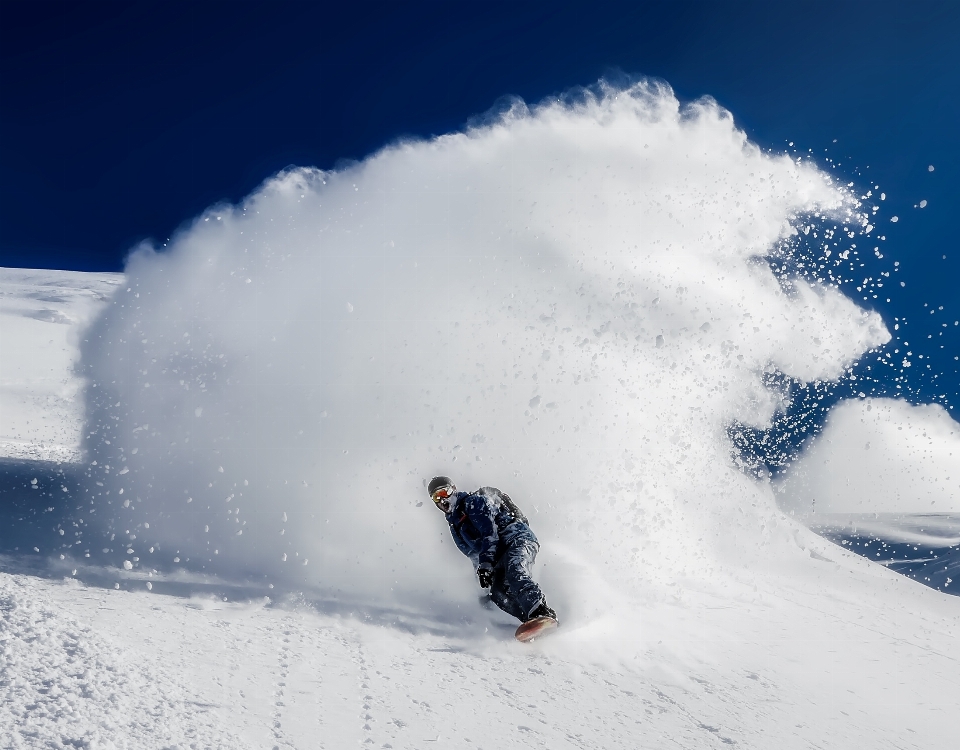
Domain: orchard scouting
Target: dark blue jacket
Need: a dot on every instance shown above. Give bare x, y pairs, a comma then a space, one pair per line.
484, 523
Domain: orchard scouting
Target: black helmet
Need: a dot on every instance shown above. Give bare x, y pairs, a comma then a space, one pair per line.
437, 482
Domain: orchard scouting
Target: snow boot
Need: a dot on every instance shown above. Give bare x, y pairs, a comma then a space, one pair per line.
542, 611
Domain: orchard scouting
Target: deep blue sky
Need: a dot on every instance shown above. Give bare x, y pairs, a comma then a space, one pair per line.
119, 121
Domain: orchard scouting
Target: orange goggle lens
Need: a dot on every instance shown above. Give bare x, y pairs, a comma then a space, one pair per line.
442, 494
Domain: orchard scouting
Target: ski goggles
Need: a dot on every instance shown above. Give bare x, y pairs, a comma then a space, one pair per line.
442, 494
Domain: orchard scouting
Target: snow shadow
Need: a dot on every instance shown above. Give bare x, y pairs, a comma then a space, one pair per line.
37, 503
921, 546
41, 499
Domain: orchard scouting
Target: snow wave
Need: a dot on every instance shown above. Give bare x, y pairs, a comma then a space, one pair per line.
569, 301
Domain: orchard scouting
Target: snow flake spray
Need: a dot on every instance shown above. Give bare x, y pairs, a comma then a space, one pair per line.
571, 302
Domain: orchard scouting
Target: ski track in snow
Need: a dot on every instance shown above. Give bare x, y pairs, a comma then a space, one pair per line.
66, 685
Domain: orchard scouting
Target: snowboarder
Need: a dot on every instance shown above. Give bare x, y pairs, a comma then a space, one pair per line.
489, 528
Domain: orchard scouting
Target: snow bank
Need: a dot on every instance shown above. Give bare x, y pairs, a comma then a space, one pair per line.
569, 302
879, 456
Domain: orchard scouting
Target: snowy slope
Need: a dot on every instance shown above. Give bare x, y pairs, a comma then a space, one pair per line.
857, 658
41, 315
849, 655
568, 303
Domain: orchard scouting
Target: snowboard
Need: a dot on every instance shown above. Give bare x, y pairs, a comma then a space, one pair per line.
535, 628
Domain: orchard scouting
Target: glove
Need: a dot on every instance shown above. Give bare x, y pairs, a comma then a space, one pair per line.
485, 574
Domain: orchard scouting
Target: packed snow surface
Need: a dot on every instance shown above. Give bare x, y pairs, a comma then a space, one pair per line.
845, 655
571, 302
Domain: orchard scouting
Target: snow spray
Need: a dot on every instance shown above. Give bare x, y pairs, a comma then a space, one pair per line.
570, 301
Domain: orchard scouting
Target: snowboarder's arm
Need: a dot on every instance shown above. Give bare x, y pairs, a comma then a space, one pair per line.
481, 513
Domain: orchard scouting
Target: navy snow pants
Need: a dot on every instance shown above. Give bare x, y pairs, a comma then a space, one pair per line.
513, 589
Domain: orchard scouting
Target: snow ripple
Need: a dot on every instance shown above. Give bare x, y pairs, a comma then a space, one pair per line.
62, 685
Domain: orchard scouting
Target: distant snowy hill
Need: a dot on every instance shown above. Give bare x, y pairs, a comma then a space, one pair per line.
41, 316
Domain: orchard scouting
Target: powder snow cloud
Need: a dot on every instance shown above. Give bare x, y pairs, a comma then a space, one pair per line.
568, 302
